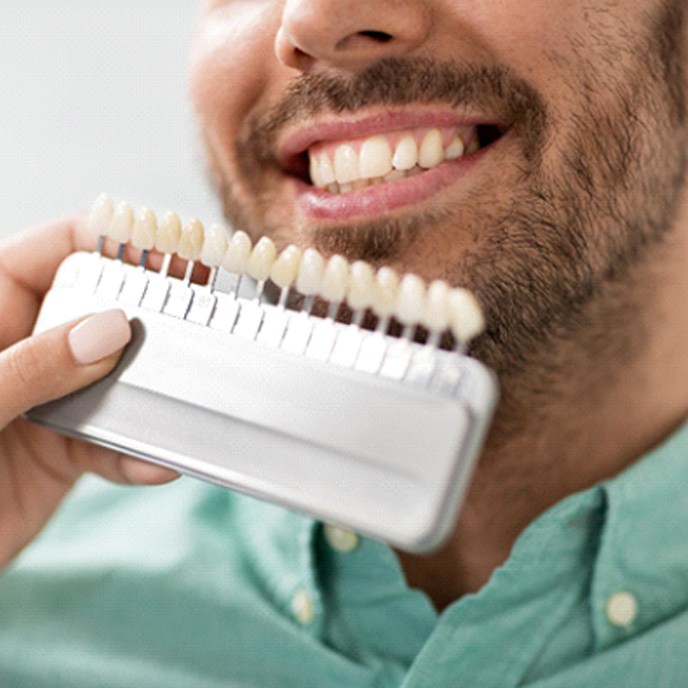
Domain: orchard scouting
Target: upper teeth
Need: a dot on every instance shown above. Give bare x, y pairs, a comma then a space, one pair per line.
353, 164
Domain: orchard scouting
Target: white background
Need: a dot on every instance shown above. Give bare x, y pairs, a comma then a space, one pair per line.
94, 99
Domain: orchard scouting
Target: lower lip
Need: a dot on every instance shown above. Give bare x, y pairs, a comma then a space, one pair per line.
319, 204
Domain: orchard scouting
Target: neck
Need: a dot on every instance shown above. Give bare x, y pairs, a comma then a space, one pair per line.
601, 400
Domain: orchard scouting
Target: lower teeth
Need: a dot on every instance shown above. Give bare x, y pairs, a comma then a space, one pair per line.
336, 188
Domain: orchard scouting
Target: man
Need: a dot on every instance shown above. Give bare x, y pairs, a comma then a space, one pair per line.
569, 219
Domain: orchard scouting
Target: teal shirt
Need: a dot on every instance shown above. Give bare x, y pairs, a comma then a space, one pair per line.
191, 585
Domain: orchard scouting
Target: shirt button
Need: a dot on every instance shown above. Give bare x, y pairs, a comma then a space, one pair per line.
340, 539
622, 609
302, 606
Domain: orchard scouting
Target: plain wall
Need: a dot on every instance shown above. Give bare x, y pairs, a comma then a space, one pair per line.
94, 99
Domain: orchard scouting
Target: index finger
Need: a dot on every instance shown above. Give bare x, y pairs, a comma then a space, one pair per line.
28, 262
29, 259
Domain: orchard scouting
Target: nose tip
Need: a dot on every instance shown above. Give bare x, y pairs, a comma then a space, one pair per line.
348, 34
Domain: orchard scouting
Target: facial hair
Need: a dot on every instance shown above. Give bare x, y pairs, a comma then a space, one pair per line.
575, 225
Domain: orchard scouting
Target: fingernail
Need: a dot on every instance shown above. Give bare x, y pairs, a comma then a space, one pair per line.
99, 336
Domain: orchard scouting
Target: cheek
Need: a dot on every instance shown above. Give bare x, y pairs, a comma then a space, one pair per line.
529, 35
231, 66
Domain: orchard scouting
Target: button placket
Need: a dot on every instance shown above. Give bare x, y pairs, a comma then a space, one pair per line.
302, 607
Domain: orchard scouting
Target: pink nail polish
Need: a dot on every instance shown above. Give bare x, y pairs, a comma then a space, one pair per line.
99, 336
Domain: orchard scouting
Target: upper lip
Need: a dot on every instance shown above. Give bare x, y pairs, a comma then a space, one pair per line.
295, 141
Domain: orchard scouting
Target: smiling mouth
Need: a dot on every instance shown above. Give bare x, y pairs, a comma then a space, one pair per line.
345, 165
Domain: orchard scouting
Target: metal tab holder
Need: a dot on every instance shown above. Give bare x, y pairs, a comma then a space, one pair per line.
371, 451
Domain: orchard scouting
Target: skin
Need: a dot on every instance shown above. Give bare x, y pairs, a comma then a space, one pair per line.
573, 231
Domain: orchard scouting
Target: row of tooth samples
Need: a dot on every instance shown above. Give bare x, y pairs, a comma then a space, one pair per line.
437, 306
346, 166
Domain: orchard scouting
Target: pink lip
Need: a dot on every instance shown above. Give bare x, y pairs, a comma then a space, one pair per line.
319, 204
295, 142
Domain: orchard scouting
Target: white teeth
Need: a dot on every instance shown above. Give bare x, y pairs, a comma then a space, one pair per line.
314, 171
436, 312
385, 292
466, 318
214, 246
100, 215
325, 171
169, 232
455, 150
395, 174
345, 164
405, 154
335, 279
145, 230
238, 253
311, 271
410, 300
473, 145
286, 267
376, 163
191, 241
262, 259
431, 152
122, 223
361, 282
375, 158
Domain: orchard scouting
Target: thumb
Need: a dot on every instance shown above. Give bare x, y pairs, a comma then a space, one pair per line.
56, 362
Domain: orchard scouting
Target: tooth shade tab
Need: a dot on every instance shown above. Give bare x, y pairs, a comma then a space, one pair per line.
284, 270
311, 271
361, 285
238, 253
122, 223
410, 300
100, 216
169, 233
214, 246
385, 292
436, 312
145, 230
466, 319
436, 307
191, 240
335, 279
261, 260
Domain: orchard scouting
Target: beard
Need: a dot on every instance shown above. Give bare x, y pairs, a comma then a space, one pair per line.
554, 260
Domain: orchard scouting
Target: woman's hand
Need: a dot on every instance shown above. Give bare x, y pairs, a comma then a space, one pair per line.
38, 466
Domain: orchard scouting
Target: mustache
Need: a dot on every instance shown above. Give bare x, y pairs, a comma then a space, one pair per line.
394, 81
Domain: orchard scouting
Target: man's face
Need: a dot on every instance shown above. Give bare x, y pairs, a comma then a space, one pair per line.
572, 115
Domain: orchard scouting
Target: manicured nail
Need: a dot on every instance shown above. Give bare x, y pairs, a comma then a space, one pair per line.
99, 336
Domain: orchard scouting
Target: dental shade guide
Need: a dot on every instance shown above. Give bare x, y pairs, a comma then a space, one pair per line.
355, 426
